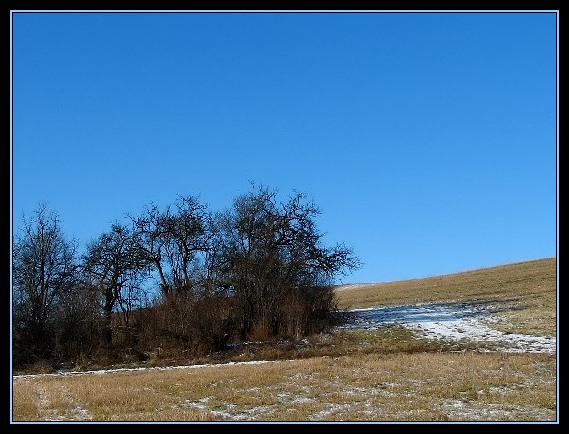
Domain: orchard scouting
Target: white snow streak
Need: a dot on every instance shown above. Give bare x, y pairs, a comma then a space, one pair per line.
450, 322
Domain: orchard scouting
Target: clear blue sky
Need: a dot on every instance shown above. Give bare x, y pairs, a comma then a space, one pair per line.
428, 140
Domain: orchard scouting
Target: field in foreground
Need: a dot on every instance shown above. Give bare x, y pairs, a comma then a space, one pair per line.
389, 373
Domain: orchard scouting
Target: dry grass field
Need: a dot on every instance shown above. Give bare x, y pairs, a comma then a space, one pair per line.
385, 375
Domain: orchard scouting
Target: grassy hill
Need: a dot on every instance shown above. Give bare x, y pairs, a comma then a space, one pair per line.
527, 290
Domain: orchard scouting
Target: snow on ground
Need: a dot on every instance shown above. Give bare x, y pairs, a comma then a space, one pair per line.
450, 322
441, 321
143, 368
340, 288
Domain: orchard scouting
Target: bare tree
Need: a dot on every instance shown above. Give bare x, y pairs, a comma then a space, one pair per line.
44, 270
175, 242
273, 251
114, 264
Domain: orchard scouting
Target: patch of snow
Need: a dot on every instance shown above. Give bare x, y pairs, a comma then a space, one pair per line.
340, 288
451, 322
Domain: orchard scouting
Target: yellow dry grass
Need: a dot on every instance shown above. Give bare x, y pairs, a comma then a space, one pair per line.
363, 387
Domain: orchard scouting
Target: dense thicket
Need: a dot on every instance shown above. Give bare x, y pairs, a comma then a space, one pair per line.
180, 281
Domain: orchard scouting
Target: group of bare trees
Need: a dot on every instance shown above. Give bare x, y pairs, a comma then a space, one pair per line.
182, 279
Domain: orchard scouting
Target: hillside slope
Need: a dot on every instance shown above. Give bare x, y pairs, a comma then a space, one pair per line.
526, 290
